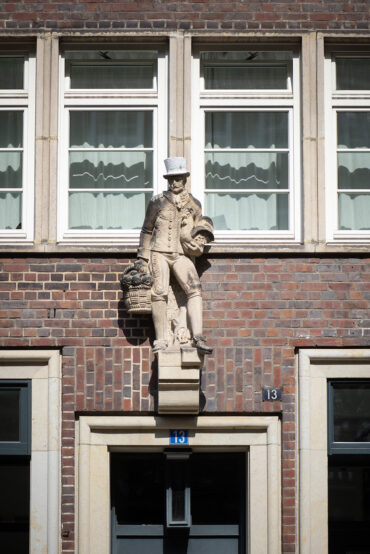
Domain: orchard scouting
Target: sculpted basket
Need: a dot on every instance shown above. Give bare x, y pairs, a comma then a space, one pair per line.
136, 289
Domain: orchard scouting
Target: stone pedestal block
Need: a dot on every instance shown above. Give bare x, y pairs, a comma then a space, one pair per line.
179, 381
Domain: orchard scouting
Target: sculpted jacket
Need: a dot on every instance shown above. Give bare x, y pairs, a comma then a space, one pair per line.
166, 219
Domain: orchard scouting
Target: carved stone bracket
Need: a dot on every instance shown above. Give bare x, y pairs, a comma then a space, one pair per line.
179, 380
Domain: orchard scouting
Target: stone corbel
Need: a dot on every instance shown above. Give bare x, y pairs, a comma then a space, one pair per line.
179, 380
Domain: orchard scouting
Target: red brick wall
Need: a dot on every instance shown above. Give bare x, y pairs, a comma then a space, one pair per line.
193, 14
257, 311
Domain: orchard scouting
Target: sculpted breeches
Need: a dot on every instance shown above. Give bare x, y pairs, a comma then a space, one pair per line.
183, 270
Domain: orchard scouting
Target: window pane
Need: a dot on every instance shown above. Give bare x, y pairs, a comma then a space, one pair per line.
14, 506
106, 54
246, 70
252, 212
11, 73
246, 130
10, 169
354, 211
241, 77
353, 73
138, 492
354, 170
111, 129
353, 129
351, 412
11, 129
107, 210
257, 170
111, 169
10, 210
9, 415
177, 480
111, 76
217, 489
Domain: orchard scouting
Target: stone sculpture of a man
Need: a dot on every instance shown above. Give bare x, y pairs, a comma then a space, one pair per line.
174, 231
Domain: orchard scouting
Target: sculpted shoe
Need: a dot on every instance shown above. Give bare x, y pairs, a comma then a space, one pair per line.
201, 345
159, 345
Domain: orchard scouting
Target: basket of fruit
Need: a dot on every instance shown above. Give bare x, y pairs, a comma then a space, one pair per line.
136, 287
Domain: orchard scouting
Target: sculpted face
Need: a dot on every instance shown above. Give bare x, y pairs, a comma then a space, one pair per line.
176, 183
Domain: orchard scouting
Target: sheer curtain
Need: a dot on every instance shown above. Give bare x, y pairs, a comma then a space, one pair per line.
11, 133
353, 128
107, 210
107, 164
247, 170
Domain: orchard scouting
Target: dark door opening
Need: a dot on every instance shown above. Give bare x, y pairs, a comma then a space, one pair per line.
217, 505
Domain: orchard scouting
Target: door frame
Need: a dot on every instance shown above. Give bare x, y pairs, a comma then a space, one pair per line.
259, 436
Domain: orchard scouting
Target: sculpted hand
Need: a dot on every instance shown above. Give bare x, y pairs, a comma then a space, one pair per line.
192, 248
141, 265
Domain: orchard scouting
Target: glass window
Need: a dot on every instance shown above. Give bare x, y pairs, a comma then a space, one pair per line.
232, 165
15, 417
353, 160
11, 72
350, 113
16, 146
353, 73
111, 69
246, 70
15, 422
248, 151
113, 147
110, 168
349, 416
349, 465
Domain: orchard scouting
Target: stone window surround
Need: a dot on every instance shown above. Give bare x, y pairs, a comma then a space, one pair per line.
259, 437
43, 368
315, 367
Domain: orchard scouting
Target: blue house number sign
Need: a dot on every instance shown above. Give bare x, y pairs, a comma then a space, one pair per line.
179, 436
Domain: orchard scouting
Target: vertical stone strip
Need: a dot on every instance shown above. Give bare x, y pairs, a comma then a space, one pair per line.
311, 203
46, 138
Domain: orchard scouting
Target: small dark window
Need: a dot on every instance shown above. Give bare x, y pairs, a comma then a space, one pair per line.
15, 417
349, 416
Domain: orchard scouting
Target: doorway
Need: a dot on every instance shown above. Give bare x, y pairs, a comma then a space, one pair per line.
178, 502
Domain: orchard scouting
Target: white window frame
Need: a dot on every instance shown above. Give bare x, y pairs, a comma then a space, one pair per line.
23, 100
250, 100
337, 101
110, 100
315, 368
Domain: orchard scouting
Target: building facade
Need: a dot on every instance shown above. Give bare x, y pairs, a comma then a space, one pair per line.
270, 105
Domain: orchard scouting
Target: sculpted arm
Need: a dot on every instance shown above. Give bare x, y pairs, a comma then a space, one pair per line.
143, 252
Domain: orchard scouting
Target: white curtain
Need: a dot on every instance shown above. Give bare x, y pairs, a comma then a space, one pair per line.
248, 211
107, 210
354, 211
227, 170
10, 210
110, 169
111, 129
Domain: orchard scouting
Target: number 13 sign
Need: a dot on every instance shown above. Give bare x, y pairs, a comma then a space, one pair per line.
179, 436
